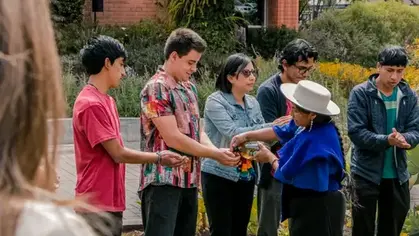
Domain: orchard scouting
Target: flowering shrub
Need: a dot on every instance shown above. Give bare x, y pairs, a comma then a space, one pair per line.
354, 74
414, 53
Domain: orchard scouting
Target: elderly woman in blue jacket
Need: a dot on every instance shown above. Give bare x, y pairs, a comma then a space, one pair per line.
311, 162
228, 191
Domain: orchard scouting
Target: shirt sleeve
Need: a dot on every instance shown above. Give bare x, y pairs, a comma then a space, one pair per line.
97, 125
292, 162
285, 132
156, 101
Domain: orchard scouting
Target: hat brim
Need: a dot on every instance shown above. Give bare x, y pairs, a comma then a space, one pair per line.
288, 90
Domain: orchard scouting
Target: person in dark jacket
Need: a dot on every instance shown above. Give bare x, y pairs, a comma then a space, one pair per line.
383, 121
296, 62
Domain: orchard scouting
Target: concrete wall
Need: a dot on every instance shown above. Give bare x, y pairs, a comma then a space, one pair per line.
130, 130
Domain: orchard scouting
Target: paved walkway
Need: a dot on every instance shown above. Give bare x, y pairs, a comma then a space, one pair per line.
67, 172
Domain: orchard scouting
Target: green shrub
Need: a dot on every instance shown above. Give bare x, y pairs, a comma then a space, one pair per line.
357, 33
144, 42
267, 41
67, 11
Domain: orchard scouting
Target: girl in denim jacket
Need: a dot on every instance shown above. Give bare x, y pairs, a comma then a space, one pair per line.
228, 191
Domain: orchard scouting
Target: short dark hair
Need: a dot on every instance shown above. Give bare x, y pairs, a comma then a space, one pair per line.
99, 48
232, 66
295, 51
393, 56
182, 41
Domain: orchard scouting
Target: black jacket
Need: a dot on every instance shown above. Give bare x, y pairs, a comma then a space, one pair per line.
273, 105
367, 129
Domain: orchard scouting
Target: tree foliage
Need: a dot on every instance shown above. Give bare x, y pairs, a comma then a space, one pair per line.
357, 33
67, 11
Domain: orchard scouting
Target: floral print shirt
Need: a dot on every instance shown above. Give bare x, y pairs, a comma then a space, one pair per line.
163, 96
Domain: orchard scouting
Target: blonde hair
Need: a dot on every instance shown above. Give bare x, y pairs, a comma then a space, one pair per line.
31, 103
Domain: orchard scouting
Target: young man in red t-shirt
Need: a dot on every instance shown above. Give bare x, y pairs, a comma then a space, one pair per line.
99, 149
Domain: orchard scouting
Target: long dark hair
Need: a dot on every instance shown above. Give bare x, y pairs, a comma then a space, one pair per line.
323, 119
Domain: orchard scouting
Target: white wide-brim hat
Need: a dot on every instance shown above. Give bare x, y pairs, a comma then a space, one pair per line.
310, 96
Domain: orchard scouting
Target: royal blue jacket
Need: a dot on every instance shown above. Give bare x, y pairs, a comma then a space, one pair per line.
310, 159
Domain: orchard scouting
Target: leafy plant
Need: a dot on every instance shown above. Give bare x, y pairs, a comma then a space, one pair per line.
411, 225
67, 11
357, 33
187, 10
267, 41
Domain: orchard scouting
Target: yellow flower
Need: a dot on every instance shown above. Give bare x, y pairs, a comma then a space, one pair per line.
358, 74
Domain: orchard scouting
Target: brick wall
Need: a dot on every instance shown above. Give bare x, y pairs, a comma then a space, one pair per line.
283, 12
122, 11
280, 12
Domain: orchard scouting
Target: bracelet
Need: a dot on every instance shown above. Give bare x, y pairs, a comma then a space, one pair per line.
272, 163
158, 158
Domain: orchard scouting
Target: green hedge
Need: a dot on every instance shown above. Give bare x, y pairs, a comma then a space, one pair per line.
357, 33
67, 11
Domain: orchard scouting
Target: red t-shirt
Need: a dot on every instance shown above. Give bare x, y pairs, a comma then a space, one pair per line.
96, 119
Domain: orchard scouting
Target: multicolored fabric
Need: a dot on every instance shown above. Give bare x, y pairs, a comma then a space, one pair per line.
247, 172
163, 96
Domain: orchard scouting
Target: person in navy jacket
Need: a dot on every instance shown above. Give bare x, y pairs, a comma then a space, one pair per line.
311, 164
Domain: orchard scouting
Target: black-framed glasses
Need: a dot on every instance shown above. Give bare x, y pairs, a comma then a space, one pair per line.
303, 69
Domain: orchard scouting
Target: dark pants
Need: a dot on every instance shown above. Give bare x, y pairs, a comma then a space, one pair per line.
269, 208
317, 215
169, 211
228, 204
393, 205
105, 224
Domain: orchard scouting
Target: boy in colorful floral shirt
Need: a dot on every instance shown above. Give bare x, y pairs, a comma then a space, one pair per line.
170, 120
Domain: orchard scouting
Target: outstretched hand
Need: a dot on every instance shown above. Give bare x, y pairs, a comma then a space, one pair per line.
172, 159
237, 141
227, 157
283, 120
264, 155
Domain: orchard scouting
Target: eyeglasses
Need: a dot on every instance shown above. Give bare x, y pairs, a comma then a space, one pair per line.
303, 69
247, 73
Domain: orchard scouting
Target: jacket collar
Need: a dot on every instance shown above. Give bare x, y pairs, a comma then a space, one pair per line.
372, 90
230, 99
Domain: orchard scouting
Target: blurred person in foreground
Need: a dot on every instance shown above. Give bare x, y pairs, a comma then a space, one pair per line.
31, 104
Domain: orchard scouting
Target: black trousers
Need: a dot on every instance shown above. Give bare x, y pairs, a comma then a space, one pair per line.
109, 225
228, 204
169, 210
317, 214
393, 205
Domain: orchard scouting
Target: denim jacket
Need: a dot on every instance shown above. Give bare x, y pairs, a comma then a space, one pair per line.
223, 119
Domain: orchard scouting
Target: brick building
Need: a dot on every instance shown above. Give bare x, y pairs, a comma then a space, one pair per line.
276, 12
